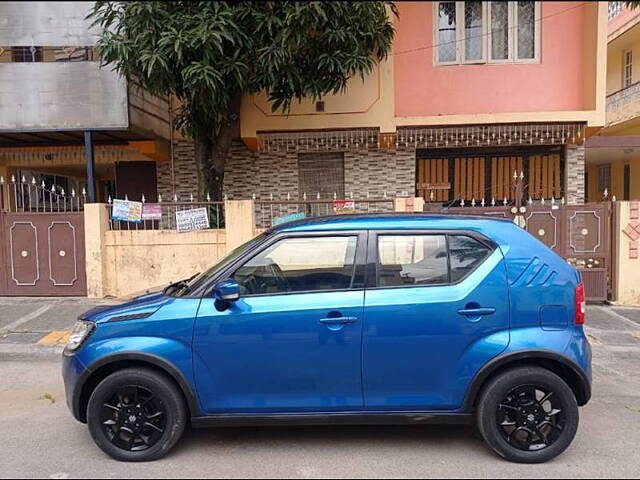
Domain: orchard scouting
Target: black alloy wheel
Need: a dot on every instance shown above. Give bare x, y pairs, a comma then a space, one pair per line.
136, 414
527, 414
133, 418
531, 417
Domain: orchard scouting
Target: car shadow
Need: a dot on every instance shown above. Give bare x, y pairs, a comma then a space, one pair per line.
335, 436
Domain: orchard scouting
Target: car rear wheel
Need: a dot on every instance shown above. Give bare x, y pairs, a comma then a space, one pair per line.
136, 415
528, 415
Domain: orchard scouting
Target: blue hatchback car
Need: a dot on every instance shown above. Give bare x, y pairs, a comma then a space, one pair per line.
349, 319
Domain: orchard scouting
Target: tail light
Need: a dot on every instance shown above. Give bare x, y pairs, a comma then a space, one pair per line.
580, 305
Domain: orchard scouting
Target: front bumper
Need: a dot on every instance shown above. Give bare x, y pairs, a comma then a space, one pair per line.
73, 370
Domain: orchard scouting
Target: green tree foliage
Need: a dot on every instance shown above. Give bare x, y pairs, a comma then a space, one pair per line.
208, 54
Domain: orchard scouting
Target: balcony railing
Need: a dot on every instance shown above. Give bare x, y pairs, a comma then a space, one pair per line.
623, 104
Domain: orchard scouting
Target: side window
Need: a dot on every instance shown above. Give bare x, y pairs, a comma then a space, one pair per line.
299, 265
465, 255
412, 260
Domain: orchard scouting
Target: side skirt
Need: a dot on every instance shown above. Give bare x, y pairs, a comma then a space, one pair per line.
331, 418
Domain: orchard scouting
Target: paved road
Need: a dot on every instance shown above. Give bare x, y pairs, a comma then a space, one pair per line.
39, 438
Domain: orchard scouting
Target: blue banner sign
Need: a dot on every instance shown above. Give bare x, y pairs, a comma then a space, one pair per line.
126, 211
287, 218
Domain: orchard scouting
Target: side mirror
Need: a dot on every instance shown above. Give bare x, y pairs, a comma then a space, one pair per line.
227, 290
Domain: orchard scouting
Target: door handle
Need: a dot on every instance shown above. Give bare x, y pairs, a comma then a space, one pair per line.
338, 320
477, 312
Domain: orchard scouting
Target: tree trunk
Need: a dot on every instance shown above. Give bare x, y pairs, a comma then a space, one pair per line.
212, 151
222, 144
203, 146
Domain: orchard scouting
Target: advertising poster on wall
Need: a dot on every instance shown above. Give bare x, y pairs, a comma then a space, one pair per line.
193, 219
344, 206
126, 211
151, 211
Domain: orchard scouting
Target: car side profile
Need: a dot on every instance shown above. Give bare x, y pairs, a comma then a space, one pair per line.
350, 319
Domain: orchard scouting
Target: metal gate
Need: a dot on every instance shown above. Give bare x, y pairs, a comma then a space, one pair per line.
42, 238
579, 233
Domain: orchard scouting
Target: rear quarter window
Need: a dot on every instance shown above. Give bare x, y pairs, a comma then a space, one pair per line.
427, 259
465, 255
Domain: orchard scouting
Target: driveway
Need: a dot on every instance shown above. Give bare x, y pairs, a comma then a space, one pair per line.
39, 438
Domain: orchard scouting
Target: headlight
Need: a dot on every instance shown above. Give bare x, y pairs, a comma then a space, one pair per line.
81, 331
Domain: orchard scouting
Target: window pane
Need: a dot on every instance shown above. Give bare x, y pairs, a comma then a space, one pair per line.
604, 178
412, 260
499, 30
26, 54
526, 30
465, 254
300, 264
628, 68
447, 31
473, 30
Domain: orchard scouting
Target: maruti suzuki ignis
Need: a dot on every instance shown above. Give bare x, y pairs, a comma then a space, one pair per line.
350, 319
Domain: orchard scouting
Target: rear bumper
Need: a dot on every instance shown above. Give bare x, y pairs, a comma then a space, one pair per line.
579, 352
72, 371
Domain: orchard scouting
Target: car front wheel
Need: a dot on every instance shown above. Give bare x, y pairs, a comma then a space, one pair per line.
527, 415
136, 414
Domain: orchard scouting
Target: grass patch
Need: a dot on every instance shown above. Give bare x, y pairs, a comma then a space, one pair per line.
48, 396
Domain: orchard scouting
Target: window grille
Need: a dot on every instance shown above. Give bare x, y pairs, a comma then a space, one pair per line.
479, 32
604, 178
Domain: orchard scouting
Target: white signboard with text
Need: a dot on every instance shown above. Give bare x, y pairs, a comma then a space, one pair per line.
193, 219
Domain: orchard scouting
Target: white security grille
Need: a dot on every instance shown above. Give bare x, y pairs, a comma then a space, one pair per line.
469, 32
447, 32
526, 16
473, 31
499, 30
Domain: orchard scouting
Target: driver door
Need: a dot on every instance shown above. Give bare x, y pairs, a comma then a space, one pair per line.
292, 342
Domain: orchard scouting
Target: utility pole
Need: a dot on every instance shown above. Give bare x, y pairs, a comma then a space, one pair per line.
91, 177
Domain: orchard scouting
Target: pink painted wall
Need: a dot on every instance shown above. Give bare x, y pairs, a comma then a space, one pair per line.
555, 84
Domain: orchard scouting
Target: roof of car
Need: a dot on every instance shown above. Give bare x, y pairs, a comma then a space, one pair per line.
387, 221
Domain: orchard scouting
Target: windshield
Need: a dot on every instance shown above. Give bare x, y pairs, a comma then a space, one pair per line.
194, 287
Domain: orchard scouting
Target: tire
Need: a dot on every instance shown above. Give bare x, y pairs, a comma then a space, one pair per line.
510, 422
123, 418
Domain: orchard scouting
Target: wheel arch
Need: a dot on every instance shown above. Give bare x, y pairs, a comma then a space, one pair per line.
565, 368
102, 368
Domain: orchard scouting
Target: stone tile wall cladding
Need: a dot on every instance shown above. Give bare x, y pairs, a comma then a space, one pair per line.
186, 181
369, 171
574, 174
264, 173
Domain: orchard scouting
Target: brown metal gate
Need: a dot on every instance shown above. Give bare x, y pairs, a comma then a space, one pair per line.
579, 233
42, 242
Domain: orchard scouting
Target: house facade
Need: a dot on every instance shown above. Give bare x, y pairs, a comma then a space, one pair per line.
53, 93
613, 156
471, 93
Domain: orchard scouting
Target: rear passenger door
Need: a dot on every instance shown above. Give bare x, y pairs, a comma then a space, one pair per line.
436, 309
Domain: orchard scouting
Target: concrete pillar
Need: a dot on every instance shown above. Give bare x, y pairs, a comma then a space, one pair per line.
574, 174
626, 260
240, 222
96, 223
